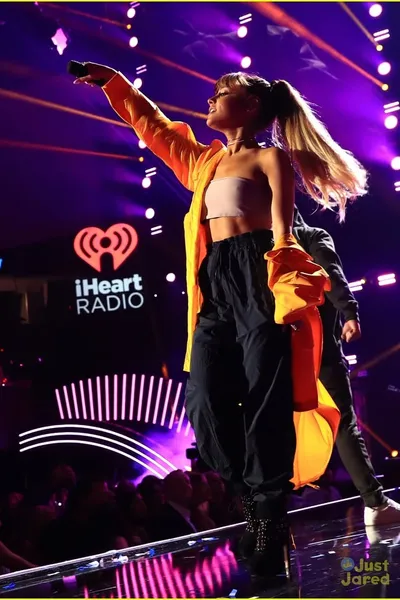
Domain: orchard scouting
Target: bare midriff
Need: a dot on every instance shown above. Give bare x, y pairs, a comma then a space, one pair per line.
226, 227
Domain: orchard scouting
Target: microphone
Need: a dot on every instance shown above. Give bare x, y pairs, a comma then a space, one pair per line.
78, 69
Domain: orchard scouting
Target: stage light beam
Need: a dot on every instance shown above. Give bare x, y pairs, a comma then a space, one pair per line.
384, 68
375, 10
146, 182
395, 164
391, 122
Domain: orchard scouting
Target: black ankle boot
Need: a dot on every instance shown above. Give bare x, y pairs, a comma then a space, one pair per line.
248, 541
271, 557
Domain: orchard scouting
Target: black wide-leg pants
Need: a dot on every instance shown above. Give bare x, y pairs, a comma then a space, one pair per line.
239, 396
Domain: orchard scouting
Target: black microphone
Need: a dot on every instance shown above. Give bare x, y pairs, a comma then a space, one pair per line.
79, 69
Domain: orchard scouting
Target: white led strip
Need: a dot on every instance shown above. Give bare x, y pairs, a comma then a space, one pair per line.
138, 398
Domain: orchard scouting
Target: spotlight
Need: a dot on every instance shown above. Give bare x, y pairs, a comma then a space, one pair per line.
379, 47
391, 122
242, 31
246, 62
385, 87
384, 68
151, 171
129, 26
150, 213
387, 279
379, 36
137, 83
133, 42
375, 10
142, 145
146, 182
141, 159
170, 277
131, 12
245, 18
395, 164
156, 230
351, 359
392, 107
394, 453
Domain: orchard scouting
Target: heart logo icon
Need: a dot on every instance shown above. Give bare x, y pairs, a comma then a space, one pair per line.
89, 244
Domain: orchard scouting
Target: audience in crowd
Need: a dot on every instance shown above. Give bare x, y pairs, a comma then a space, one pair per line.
68, 517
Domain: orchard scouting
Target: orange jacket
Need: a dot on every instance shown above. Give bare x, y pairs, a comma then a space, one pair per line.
297, 283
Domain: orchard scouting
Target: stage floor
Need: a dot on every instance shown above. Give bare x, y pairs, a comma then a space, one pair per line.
330, 540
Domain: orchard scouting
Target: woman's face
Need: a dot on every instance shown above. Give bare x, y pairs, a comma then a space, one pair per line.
230, 108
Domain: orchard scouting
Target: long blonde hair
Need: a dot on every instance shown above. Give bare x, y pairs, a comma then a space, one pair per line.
329, 174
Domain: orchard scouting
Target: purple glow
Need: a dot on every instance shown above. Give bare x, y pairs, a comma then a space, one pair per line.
242, 31
384, 68
150, 213
146, 182
375, 10
133, 42
391, 122
170, 277
387, 279
246, 62
137, 83
131, 12
395, 164
60, 41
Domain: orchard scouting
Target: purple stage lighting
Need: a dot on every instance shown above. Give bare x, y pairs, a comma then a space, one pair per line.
391, 122
146, 182
384, 68
395, 164
375, 10
246, 62
242, 31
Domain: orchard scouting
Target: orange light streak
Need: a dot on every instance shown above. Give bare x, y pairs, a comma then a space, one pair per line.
73, 11
357, 22
46, 104
33, 146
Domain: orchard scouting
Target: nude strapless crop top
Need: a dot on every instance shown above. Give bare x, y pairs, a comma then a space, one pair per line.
234, 197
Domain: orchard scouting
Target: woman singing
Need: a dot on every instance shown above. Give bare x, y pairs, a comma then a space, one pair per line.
254, 340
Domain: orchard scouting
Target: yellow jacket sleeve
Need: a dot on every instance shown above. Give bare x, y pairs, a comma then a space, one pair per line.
298, 286
172, 141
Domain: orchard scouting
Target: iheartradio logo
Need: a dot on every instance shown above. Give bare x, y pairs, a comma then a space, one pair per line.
107, 296
119, 240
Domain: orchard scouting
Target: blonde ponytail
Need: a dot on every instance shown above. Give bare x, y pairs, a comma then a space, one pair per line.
330, 175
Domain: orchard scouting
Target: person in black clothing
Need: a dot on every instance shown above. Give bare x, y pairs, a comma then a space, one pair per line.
340, 321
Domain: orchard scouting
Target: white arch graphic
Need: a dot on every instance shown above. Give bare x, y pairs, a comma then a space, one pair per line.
162, 464
125, 397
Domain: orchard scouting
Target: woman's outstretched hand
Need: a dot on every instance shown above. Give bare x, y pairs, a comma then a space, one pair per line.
97, 73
